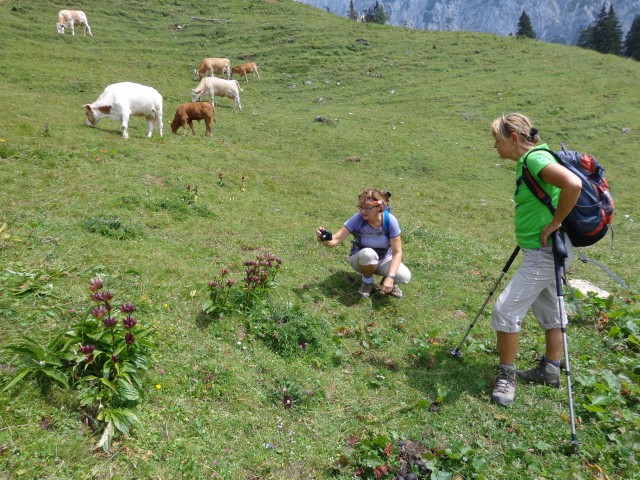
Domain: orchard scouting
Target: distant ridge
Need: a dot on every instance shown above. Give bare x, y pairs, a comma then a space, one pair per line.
556, 21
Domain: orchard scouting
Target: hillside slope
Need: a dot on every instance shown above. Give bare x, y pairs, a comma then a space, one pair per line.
340, 107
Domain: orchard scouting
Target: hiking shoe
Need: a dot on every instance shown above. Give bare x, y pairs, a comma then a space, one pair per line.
396, 292
365, 289
505, 389
545, 373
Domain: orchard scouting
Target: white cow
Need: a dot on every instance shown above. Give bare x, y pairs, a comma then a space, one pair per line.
220, 88
121, 100
69, 18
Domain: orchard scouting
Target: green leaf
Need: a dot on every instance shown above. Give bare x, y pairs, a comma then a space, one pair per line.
126, 390
19, 376
593, 408
56, 375
207, 306
630, 440
109, 384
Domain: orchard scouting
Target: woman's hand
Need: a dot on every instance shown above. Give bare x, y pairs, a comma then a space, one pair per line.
387, 285
319, 234
338, 237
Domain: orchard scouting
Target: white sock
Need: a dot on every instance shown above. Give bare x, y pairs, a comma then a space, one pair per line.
368, 280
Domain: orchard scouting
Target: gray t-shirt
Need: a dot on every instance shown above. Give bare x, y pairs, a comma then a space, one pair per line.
367, 236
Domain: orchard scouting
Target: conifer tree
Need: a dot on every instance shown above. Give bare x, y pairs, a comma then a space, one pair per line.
632, 40
605, 36
376, 14
353, 13
525, 29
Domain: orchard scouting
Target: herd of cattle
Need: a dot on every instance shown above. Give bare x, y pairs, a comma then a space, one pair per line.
120, 101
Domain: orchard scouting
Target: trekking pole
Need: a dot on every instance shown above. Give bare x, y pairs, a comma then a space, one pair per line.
559, 255
621, 282
456, 351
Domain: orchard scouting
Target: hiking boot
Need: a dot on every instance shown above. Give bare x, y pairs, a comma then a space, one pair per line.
365, 289
545, 373
396, 292
505, 389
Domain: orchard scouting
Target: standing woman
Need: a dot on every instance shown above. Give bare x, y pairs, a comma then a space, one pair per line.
534, 284
377, 248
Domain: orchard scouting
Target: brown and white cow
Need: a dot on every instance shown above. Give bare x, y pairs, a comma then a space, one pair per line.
219, 87
245, 68
190, 111
211, 65
69, 18
119, 101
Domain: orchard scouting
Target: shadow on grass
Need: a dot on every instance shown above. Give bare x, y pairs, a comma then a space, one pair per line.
343, 286
473, 374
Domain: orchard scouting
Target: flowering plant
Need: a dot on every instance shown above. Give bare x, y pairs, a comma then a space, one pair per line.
104, 356
227, 296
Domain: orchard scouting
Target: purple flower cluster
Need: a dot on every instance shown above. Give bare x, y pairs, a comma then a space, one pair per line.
88, 351
103, 312
259, 271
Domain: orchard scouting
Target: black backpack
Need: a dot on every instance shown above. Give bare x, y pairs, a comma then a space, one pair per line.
592, 215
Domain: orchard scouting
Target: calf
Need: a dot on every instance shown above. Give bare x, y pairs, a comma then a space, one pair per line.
220, 88
121, 100
187, 112
69, 18
212, 65
245, 68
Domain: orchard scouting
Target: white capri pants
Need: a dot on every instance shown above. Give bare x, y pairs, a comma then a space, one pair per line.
533, 286
368, 256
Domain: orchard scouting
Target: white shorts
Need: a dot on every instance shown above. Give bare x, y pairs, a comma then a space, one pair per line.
368, 256
533, 286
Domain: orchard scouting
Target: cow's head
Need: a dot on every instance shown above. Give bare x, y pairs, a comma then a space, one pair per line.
195, 95
60, 27
93, 115
196, 75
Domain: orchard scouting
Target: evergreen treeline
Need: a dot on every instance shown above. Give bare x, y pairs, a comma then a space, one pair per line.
604, 35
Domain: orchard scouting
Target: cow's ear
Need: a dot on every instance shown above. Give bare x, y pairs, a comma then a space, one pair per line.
86, 106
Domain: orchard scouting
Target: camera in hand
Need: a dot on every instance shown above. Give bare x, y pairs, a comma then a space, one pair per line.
326, 235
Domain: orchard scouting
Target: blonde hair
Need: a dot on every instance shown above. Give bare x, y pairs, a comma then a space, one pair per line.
505, 125
381, 197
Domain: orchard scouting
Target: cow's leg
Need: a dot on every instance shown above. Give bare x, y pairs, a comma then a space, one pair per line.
159, 120
73, 30
193, 130
150, 121
207, 122
125, 124
88, 29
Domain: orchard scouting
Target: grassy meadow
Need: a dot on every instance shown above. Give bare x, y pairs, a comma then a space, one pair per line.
341, 106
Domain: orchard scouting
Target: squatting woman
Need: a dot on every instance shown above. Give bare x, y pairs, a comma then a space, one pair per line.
377, 246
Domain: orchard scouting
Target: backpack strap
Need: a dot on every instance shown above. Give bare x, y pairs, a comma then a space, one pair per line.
534, 186
385, 221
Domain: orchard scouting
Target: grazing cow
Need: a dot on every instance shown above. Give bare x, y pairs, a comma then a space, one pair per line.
121, 100
69, 18
245, 68
220, 88
187, 112
212, 65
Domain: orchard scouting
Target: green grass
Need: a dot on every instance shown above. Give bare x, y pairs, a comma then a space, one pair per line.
410, 112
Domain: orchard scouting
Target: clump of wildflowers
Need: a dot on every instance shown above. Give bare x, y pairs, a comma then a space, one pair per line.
225, 295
